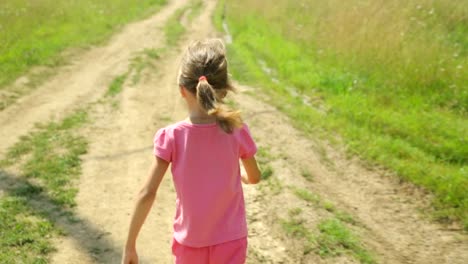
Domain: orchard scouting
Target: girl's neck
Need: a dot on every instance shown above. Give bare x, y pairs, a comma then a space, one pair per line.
198, 116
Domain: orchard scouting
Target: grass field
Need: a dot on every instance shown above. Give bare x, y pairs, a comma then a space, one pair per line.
34, 32
388, 78
49, 161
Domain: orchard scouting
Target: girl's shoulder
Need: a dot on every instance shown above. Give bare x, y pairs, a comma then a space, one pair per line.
243, 130
174, 126
185, 126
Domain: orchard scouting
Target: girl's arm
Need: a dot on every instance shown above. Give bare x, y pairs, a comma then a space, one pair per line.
251, 168
143, 205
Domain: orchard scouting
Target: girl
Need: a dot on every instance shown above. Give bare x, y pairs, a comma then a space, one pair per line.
210, 224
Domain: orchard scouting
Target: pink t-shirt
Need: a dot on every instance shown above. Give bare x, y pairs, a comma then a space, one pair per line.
210, 205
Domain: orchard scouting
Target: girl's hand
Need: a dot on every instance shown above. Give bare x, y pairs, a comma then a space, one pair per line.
130, 257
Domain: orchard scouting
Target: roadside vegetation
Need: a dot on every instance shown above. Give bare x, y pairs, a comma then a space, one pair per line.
332, 236
48, 162
174, 27
43, 166
388, 79
35, 32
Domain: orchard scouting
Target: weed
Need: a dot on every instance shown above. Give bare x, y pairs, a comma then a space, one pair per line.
345, 217
264, 157
141, 61
307, 175
330, 207
307, 196
153, 53
116, 85
273, 184
267, 172
174, 28
25, 234
295, 211
295, 227
336, 239
195, 9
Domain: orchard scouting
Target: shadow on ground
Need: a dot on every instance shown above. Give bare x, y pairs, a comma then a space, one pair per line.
90, 238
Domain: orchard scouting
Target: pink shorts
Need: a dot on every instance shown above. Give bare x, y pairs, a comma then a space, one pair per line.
232, 252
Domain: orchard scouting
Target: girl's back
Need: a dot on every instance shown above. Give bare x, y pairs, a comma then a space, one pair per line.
210, 224
205, 168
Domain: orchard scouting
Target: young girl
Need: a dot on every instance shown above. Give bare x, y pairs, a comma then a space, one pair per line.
204, 149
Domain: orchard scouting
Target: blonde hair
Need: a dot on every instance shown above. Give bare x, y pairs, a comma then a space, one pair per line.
203, 72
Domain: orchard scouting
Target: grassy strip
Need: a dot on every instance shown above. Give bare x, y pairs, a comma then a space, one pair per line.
116, 85
33, 33
334, 238
419, 135
25, 235
318, 201
173, 28
263, 159
49, 157
52, 155
138, 63
143, 60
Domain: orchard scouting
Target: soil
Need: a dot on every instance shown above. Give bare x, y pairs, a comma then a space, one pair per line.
387, 213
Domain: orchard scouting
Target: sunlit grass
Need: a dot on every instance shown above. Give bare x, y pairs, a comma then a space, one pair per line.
173, 28
49, 162
52, 155
332, 238
25, 234
34, 32
387, 77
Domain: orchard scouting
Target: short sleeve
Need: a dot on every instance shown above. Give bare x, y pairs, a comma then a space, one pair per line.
247, 147
163, 145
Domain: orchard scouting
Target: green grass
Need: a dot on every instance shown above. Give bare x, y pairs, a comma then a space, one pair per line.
48, 160
307, 196
336, 239
264, 157
332, 238
307, 175
51, 154
116, 85
328, 206
142, 61
138, 63
173, 28
25, 235
35, 32
396, 101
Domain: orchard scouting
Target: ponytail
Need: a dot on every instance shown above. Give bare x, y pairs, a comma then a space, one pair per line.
226, 118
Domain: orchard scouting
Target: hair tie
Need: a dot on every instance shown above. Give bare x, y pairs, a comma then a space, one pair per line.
202, 78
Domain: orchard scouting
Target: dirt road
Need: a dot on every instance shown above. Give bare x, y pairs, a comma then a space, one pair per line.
386, 217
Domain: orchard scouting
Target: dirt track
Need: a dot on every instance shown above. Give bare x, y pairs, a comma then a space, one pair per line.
119, 156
